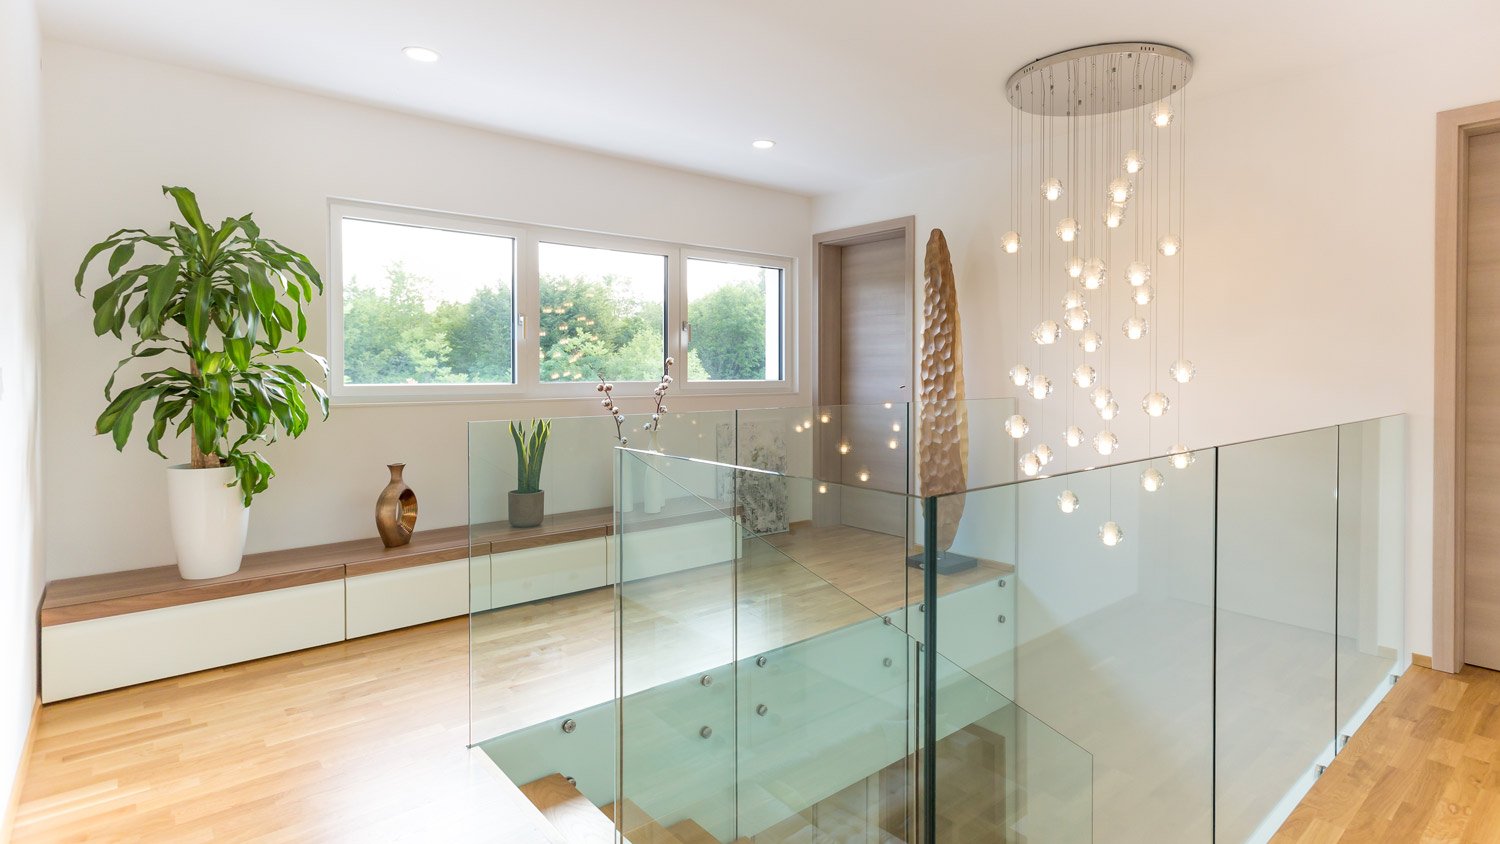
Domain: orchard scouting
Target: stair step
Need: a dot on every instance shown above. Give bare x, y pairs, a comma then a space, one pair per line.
638, 827
689, 832
561, 803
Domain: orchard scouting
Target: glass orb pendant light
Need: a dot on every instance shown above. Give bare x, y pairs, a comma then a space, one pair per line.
1010, 242
1067, 501
1094, 274
1111, 534
1135, 328
1101, 396
1043, 453
1041, 386
1091, 341
1120, 189
1017, 426
1067, 230
1046, 332
1138, 273
1052, 189
1152, 480
1074, 267
1073, 436
1105, 442
1155, 404
1110, 410
1179, 456
1161, 115
1030, 464
1169, 245
1142, 295
1134, 162
1073, 299
1114, 215
1076, 319
1020, 375
1085, 375
1182, 370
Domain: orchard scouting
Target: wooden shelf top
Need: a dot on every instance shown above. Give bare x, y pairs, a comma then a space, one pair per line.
118, 593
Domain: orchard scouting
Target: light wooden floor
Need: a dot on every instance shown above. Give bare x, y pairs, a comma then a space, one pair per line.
364, 741
361, 741
1425, 767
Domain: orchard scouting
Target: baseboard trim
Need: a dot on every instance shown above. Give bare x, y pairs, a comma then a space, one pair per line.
1421, 660
13, 805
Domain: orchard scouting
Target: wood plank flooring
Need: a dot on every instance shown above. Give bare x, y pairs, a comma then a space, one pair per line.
364, 741
1425, 767
360, 741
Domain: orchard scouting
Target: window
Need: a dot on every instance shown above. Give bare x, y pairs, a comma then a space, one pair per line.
603, 313
425, 305
734, 321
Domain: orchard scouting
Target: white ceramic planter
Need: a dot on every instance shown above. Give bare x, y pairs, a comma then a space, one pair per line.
209, 521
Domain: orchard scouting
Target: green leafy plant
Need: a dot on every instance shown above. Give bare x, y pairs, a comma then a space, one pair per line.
531, 447
225, 299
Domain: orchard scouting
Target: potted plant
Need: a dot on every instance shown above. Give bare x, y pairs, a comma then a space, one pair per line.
222, 301
531, 446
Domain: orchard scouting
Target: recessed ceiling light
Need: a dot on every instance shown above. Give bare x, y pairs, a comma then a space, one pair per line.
763, 143
420, 54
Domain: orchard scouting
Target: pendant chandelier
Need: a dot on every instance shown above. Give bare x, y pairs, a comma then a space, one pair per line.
1097, 251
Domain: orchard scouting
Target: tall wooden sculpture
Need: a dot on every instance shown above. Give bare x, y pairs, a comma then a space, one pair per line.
943, 445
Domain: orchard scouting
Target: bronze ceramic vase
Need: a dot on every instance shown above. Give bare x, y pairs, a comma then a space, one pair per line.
396, 510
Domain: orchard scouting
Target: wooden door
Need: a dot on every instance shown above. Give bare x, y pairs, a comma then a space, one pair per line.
865, 363
1480, 382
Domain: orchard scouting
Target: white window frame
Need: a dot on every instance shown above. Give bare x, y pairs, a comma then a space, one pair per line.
526, 311
340, 392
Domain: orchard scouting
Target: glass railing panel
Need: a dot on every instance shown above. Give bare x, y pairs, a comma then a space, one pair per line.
1003, 775
1108, 644
819, 678
675, 653
555, 575
1371, 570
1277, 550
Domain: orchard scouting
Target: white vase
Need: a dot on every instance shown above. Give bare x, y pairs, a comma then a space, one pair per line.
209, 521
652, 492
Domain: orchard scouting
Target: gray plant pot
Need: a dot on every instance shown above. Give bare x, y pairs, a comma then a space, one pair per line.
526, 508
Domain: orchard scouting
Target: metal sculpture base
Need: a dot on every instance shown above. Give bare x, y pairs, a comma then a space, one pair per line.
947, 562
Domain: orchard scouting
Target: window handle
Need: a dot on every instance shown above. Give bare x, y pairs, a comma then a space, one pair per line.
687, 332
521, 324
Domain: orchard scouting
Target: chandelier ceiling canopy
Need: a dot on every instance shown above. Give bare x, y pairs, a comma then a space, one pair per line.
1100, 79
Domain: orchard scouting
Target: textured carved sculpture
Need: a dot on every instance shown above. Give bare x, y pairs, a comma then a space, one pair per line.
944, 441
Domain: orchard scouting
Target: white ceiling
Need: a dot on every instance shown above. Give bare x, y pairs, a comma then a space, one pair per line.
852, 90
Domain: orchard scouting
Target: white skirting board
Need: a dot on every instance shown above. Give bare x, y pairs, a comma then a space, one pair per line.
106, 653
390, 600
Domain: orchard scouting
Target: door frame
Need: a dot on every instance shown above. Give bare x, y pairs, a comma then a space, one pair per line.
827, 321
1454, 129
827, 295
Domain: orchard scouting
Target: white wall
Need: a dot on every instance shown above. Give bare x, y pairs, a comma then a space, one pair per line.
20, 347
118, 128
1310, 231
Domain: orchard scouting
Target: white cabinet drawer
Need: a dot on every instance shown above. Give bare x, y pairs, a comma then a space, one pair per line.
82, 657
390, 600
531, 574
